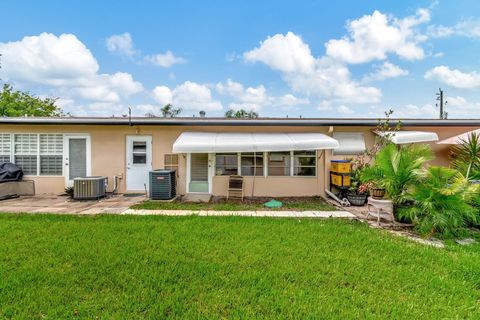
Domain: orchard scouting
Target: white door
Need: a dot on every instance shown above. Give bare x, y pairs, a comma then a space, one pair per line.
76, 157
139, 162
199, 172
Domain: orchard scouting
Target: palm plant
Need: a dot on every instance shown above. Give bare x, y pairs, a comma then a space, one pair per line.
395, 169
169, 110
241, 114
467, 156
441, 203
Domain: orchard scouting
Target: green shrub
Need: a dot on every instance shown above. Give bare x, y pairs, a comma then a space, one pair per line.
466, 157
441, 203
395, 168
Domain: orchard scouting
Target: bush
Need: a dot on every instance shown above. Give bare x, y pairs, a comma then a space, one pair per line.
395, 168
441, 203
69, 191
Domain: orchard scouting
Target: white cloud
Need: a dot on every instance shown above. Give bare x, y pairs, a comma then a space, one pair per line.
460, 107
454, 77
64, 64
254, 95
457, 101
289, 100
345, 110
385, 71
323, 77
286, 53
47, 59
409, 111
332, 80
255, 98
121, 43
324, 105
469, 28
414, 111
163, 95
374, 36
143, 109
165, 60
188, 96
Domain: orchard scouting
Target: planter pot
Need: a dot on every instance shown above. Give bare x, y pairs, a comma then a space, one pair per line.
357, 199
377, 193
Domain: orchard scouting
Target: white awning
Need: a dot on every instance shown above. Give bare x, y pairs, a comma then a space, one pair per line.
459, 139
211, 142
351, 143
402, 137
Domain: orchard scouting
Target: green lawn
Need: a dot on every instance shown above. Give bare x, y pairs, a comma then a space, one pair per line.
125, 267
298, 204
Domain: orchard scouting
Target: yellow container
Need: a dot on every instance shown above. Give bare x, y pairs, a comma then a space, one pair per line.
340, 167
339, 180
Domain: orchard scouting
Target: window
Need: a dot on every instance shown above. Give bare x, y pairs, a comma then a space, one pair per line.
305, 163
226, 164
5, 147
36, 154
26, 152
51, 154
139, 152
251, 164
279, 164
171, 162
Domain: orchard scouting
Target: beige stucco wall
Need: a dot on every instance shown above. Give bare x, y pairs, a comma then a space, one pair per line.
108, 145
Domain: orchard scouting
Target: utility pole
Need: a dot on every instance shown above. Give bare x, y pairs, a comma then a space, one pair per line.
441, 104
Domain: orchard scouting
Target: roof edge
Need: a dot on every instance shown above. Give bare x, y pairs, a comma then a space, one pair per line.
145, 121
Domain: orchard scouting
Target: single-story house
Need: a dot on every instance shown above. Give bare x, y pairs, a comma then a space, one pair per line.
277, 157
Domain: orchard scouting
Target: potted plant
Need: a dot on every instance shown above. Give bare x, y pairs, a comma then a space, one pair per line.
376, 189
358, 192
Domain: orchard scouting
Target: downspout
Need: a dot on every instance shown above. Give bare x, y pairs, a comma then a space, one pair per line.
326, 170
115, 184
254, 171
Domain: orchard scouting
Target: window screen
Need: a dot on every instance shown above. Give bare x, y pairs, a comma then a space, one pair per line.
171, 161
26, 152
305, 163
51, 154
139, 152
226, 164
279, 164
252, 164
5, 147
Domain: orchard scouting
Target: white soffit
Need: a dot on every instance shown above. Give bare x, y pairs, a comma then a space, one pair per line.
214, 142
351, 143
402, 137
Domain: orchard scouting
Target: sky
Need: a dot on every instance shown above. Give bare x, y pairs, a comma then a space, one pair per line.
278, 58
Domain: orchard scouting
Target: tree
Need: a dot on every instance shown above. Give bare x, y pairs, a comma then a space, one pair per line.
169, 111
15, 103
242, 114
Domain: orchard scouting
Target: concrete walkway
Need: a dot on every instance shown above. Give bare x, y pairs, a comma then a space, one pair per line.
119, 204
270, 213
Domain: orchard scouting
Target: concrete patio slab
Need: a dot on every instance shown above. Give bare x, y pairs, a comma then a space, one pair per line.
118, 204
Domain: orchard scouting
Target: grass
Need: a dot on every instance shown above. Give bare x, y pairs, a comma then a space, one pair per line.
124, 267
249, 204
